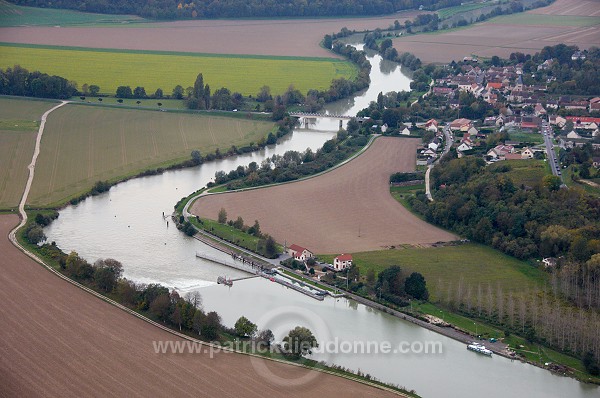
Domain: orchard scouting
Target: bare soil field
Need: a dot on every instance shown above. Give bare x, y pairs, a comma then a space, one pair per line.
349, 209
571, 7
293, 37
501, 37
58, 340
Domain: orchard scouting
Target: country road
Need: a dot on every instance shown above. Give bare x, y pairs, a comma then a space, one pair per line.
31, 167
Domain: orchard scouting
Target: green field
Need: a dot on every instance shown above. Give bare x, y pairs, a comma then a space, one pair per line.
14, 15
469, 264
153, 69
528, 172
535, 138
543, 19
448, 12
84, 144
19, 120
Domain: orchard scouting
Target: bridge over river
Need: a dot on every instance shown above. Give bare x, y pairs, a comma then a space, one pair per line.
307, 118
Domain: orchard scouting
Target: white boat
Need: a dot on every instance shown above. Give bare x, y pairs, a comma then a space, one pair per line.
480, 348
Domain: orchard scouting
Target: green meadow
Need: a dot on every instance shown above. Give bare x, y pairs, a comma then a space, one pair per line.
468, 264
155, 69
14, 15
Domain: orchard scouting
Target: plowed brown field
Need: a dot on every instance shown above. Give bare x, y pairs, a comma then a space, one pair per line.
295, 37
59, 341
529, 33
349, 209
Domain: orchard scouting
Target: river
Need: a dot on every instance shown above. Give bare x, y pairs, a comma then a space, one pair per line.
127, 224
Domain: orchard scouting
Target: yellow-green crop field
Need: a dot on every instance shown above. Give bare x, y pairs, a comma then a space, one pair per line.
19, 121
151, 70
83, 144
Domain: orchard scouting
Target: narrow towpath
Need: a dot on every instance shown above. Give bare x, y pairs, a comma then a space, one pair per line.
31, 168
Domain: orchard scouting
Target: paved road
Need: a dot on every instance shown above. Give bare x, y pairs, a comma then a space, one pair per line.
448, 145
551, 155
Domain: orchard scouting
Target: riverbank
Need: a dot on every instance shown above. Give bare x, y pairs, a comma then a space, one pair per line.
87, 322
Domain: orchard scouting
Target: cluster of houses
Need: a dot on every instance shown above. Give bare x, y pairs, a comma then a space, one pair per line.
302, 254
507, 82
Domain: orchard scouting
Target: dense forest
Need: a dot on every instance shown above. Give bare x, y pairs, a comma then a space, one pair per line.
182, 9
485, 205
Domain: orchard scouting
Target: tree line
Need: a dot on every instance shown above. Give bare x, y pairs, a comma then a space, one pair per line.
21, 82
153, 300
292, 164
541, 316
177, 9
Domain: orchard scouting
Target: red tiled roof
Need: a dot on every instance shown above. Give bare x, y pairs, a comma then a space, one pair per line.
583, 119
344, 257
512, 156
297, 248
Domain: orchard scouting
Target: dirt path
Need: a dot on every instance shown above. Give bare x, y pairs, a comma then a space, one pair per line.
59, 340
349, 209
31, 168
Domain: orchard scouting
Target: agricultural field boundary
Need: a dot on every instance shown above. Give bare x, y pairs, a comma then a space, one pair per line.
153, 69
12, 236
191, 200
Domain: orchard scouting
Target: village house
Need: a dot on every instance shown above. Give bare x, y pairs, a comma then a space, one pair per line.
461, 124
530, 123
464, 147
433, 146
500, 151
443, 91
512, 156
299, 253
581, 122
539, 110
342, 262
577, 55
557, 120
431, 125
527, 153
576, 105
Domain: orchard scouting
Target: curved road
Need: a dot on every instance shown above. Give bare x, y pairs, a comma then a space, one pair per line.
31, 168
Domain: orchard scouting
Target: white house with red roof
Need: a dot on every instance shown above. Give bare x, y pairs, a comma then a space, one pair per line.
299, 253
431, 125
589, 123
342, 262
